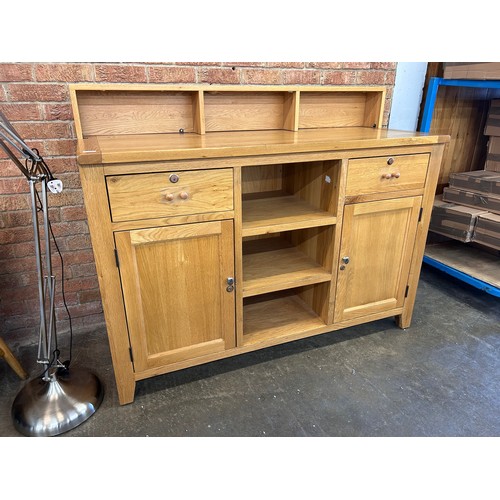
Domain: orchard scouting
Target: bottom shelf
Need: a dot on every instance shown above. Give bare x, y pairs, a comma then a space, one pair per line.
277, 316
470, 264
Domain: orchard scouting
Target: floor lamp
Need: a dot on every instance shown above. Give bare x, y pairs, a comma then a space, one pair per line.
60, 398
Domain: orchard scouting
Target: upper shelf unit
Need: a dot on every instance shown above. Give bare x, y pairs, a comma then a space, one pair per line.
128, 109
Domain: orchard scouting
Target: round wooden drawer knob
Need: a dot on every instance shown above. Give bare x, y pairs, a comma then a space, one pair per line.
169, 197
183, 195
386, 176
397, 175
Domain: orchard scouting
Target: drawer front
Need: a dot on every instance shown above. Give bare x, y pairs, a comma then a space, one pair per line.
147, 196
386, 173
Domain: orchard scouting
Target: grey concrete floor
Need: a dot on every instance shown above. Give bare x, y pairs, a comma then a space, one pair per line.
441, 377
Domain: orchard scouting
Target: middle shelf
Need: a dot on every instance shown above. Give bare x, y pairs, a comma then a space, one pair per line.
276, 263
281, 213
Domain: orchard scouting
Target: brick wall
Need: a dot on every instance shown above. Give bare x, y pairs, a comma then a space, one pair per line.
34, 96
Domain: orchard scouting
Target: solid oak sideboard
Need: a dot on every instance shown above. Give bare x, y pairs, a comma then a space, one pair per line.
226, 219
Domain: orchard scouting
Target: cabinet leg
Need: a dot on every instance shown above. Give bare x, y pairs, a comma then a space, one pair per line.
403, 320
126, 391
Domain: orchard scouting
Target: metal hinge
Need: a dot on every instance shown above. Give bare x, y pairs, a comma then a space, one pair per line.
407, 290
131, 355
116, 258
420, 214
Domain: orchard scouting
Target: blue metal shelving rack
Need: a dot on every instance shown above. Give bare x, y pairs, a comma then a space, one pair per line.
425, 126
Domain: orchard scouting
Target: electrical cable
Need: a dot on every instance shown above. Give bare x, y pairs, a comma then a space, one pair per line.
34, 165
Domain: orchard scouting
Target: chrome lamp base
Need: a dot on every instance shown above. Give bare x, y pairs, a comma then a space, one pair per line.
57, 403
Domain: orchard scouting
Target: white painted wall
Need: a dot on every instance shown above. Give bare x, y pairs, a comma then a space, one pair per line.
410, 79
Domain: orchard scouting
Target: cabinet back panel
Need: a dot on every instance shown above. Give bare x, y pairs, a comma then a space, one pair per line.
116, 113
261, 179
244, 111
333, 109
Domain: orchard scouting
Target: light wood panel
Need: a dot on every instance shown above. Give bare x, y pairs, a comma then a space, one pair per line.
461, 112
226, 111
283, 213
146, 196
199, 258
157, 147
276, 317
323, 110
274, 264
369, 175
468, 259
124, 113
378, 239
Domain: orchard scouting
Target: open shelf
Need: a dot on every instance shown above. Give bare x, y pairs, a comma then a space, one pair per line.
281, 213
273, 264
471, 264
277, 316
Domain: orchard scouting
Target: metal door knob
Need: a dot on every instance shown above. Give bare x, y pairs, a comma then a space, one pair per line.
345, 259
390, 161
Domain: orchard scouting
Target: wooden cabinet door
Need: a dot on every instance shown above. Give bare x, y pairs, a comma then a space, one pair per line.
376, 249
174, 282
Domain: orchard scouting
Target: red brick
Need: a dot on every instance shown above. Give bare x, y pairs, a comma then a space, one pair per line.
16, 72
77, 242
17, 265
285, 64
21, 111
69, 228
383, 65
262, 76
219, 75
89, 296
14, 202
38, 145
3, 95
58, 165
16, 235
301, 77
59, 111
9, 281
16, 219
390, 78
33, 92
373, 77
77, 284
60, 147
171, 74
43, 130
64, 72
339, 77
197, 63
14, 185
325, 65
73, 213
83, 270
355, 65
244, 64
80, 310
120, 73
78, 257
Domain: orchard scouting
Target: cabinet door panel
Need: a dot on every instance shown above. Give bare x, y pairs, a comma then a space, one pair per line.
174, 286
376, 250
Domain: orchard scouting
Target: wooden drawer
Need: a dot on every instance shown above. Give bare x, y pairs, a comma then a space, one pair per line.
147, 196
386, 173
